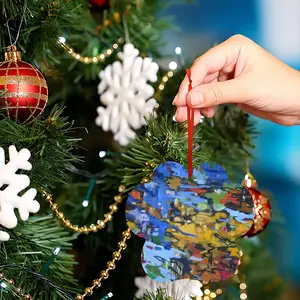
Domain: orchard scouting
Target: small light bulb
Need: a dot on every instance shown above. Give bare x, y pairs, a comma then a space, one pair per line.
173, 65
85, 203
248, 183
56, 251
102, 154
206, 291
3, 285
62, 39
178, 50
243, 286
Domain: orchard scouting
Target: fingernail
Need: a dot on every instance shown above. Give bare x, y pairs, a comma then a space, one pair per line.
175, 99
197, 99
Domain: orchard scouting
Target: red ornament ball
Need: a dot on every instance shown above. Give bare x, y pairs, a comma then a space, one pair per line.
100, 3
26, 90
262, 212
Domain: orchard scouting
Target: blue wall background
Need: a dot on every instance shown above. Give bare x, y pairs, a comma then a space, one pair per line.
277, 165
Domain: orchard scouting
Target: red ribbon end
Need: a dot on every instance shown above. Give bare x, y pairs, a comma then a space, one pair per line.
190, 120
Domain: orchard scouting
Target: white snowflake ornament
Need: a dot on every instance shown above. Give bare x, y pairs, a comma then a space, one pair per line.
11, 185
125, 92
183, 289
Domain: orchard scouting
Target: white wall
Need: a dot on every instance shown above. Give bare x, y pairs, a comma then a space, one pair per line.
280, 28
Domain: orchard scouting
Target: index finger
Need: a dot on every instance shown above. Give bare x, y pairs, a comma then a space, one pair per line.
214, 60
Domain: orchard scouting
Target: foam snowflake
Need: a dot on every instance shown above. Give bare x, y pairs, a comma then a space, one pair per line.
11, 185
125, 92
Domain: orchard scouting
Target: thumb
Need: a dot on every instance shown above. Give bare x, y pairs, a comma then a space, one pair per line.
211, 94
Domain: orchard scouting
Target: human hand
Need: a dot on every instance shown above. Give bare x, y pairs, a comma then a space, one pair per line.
240, 72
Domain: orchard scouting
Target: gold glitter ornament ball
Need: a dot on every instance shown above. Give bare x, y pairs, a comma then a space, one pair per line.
25, 89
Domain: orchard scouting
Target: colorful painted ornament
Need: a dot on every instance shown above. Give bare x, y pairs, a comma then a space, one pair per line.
26, 91
190, 225
262, 212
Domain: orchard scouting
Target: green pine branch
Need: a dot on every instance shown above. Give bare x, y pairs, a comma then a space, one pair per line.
164, 141
50, 143
43, 22
226, 139
159, 295
139, 26
229, 137
31, 245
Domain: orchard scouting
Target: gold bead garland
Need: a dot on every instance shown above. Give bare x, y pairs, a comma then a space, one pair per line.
111, 265
100, 224
92, 59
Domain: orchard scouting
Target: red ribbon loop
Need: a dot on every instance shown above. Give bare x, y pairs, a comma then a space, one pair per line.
190, 121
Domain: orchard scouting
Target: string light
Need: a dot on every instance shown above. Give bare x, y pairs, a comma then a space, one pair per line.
219, 291
62, 39
243, 286
206, 291
180, 57
173, 65
50, 261
178, 50
90, 59
102, 154
9, 284
85, 203
163, 83
208, 294
243, 292
243, 296
108, 296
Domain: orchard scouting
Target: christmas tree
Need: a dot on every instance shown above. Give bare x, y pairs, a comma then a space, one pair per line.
84, 144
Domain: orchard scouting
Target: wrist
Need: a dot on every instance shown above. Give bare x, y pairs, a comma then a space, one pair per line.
298, 99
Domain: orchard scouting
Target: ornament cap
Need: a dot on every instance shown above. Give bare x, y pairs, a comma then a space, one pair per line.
12, 53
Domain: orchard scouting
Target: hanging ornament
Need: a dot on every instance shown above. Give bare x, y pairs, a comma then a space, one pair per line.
127, 95
190, 223
190, 219
12, 184
26, 91
262, 207
100, 3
